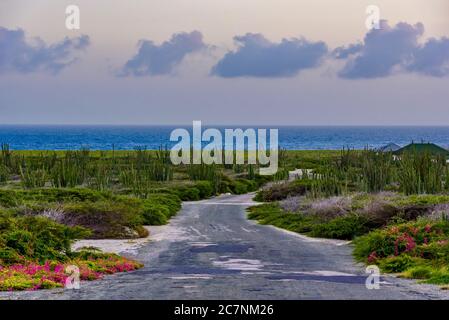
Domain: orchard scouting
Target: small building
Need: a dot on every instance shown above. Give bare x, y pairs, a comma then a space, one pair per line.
391, 147
430, 148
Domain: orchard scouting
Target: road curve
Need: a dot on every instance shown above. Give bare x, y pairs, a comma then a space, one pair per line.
211, 251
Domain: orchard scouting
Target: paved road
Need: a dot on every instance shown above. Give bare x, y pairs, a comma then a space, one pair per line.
211, 251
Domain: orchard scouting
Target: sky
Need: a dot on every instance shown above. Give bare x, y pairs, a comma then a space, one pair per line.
267, 62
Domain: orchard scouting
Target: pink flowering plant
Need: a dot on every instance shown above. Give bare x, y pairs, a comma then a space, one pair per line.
35, 251
52, 274
407, 238
399, 247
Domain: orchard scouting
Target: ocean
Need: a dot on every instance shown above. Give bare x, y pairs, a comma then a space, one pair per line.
106, 137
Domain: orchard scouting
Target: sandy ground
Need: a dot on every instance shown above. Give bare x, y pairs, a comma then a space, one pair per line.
119, 246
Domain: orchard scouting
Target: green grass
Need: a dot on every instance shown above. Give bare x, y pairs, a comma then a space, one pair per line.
345, 228
271, 214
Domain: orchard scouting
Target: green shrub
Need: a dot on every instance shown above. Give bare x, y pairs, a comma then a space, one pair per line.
187, 193
421, 238
13, 198
261, 180
434, 251
428, 274
272, 214
440, 277
419, 272
374, 242
4, 173
170, 201
62, 195
37, 239
238, 187
155, 214
106, 219
205, 188
396, 264
10, 198
19, 240
345, 228
420, 200
9, 256
6, 222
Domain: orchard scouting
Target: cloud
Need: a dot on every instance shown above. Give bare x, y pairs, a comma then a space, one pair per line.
161, 59
394, 49
345, 52
432, 58
258, 57
383, 50
18, 55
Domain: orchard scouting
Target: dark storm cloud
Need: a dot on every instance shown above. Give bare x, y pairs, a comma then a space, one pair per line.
258, 57
395, 49
19, 55
152, 59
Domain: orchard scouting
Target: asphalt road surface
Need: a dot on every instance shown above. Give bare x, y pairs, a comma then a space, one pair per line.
211, 251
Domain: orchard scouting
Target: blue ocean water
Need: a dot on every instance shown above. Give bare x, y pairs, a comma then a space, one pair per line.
56, 137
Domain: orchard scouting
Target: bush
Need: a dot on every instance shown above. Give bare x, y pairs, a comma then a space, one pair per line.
421, 200
396, 264
438, 250
419, 272
51, 274
380, 213
19, 240
106, 215
155, 214
37, 239
186, 193
261, 180
9, 198
9, 256
14, 198
205, 188
282, 191
421, 238
270, 213
63, 195
330, 208
170, 201
106, 219
418, 249
374, 244
238, 187
263, 211
345, 228
51, 239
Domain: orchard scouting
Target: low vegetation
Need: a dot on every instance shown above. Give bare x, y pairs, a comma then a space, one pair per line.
395, 210
35, 252
418, 249
49, 199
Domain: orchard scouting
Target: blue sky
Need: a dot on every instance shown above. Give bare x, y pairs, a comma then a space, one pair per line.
280, 62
